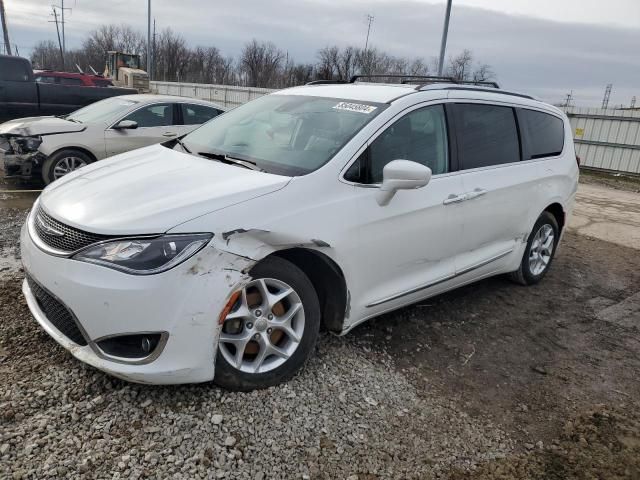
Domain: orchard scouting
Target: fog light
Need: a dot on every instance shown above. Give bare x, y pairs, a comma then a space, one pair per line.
133, 347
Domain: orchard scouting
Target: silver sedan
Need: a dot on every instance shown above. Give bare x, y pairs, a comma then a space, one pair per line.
51, 147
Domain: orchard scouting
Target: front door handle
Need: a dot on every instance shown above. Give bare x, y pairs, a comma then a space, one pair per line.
453, 198
169, 134
475, 193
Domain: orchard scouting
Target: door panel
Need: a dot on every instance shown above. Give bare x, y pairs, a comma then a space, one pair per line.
498, 187
155, 125
410, 243
495, 213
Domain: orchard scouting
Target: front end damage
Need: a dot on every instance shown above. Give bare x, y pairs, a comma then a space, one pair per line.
20, 159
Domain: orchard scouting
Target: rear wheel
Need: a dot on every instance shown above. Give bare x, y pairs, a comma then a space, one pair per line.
271, 330
63, 162
540, 250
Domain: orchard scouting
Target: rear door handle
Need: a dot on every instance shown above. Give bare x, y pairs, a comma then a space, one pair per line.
169, 134
475, 193
453, 198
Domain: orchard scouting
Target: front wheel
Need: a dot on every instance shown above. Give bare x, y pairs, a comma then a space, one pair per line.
271, 330
540, 250
63, 162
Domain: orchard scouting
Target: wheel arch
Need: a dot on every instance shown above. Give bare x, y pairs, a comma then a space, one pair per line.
84, 150
557, 210
328, 281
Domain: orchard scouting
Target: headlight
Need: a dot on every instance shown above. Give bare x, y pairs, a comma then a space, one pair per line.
25, 144
144, 256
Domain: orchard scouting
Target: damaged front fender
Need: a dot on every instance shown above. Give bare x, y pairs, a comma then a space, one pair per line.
256, 244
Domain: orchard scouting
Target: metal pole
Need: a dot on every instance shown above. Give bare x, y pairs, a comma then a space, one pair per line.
445, 32
149, 38
64, 41
5, 31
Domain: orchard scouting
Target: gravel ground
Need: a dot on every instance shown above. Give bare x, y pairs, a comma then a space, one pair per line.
490, 381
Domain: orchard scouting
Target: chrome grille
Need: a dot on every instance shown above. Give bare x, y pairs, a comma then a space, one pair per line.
59, 315
62, 237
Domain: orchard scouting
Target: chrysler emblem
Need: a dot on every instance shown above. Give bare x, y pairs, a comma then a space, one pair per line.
47, 229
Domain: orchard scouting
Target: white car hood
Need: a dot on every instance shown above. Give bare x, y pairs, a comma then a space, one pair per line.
34, 126
151, 190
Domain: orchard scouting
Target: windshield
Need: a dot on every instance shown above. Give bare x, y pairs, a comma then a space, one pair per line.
284, 134
101, 111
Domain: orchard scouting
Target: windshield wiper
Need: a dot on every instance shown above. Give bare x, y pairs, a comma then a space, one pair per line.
231, 160
181, 143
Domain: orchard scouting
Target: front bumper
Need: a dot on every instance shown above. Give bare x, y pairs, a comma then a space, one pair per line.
184, 302
25, 166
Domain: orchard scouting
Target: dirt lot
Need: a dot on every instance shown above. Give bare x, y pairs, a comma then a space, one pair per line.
491, 381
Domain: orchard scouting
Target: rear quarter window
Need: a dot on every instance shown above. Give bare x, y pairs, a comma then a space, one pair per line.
543, 134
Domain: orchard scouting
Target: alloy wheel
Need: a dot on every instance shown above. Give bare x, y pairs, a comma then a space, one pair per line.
264, 328
67, 165
541, 249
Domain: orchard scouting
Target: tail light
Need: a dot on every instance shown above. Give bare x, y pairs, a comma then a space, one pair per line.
578, 160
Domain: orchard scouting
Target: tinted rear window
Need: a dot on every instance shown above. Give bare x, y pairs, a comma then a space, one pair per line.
487, 135
14, 70
544, 134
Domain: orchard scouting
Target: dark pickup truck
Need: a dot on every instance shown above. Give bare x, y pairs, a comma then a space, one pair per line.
21, 96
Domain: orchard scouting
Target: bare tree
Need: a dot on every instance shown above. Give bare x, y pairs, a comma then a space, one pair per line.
459, 67
172, 57
261, 63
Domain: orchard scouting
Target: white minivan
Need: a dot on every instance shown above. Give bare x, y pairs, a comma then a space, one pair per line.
220, 255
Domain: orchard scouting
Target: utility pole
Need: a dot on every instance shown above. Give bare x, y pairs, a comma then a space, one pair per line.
607, 95
3, 20
55, 16
149, 38
153, 52
445, 33
567, 101
370, 21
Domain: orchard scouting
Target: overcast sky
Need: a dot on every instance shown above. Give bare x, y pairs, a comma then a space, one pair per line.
544, 47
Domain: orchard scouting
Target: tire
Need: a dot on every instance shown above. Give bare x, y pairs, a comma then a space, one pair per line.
530, 271
68, 159
246, 372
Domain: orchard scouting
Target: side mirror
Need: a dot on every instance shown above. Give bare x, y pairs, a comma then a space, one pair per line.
125, 125
401, 175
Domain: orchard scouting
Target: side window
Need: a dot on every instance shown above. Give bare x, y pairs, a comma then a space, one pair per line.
102, 83
14, 70
160, 115
487, 135
45, 79
419, 136
70, 81
544, 134
197, 114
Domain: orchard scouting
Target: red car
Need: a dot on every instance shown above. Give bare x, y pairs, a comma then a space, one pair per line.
66, 78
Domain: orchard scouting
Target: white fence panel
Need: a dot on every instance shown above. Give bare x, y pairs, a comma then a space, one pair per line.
224, 95
607, 139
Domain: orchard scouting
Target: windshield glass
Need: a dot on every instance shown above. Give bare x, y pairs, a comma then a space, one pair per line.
101, 111
284, 134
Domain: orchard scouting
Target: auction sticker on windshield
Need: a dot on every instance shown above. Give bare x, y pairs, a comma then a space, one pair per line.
355, 107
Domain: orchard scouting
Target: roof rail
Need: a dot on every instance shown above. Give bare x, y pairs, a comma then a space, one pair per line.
427, 79
489, 90
325, 82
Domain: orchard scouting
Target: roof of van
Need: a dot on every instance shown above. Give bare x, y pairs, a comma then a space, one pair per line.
388, 92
